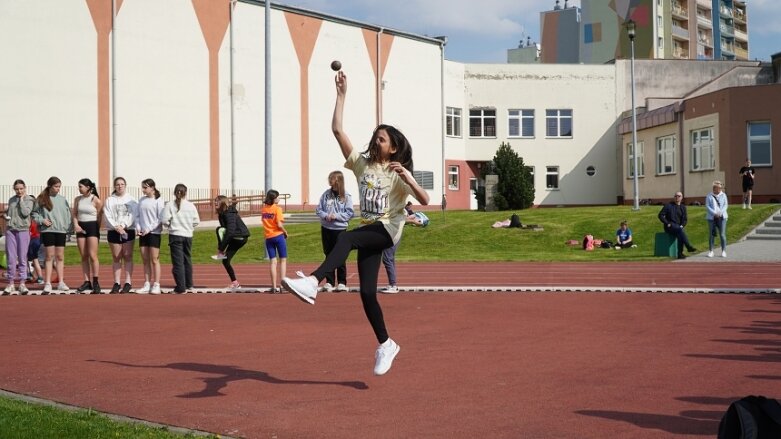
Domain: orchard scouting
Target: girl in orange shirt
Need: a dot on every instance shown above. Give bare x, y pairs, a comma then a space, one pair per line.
276, 246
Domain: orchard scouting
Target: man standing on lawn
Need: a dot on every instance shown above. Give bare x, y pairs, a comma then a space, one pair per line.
674, 218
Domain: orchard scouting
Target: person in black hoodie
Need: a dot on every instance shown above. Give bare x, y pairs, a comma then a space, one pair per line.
231, 235
674, 218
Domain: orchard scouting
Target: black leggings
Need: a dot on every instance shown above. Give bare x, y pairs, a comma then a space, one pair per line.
233, 246
329, 238
370, 241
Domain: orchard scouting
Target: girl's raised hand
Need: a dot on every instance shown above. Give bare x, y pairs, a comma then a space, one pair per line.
341, 83
401, 170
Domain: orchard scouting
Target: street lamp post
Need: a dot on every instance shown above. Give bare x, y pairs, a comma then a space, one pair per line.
631, 30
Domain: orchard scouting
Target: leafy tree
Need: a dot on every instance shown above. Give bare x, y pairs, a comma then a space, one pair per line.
515, 189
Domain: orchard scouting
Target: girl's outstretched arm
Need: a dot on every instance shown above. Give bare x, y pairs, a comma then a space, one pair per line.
336, 122
418, 192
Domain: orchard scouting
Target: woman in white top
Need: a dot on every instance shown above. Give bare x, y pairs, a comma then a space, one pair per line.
85, 219
716, 205
120, 213
181, 217
149, 225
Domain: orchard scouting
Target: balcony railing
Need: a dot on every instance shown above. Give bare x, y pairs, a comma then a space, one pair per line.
741, 53
726, 30
679, 11
705, 41
727, 47
705, 4
704, 21
680, 32
681, 53
740, 35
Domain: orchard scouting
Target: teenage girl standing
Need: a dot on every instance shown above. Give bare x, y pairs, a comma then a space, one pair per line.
231, 236
53, 215
85, 219
384, 173
149, 225
276, 235
181, 217
335, 210
17, 236
120, 213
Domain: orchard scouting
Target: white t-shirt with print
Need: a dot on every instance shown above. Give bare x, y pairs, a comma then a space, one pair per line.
382, 194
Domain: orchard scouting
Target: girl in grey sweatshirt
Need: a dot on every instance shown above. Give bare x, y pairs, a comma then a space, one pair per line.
53, 215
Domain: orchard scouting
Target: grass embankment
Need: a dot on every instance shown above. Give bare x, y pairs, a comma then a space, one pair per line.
468, 236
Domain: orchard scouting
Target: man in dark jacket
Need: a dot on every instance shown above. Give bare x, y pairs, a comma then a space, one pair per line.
673, 216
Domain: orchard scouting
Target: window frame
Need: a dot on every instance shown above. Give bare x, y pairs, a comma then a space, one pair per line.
453, 121
482, 118
751, 139
699, 147
662, 155
558, 118
453, 171
522, 114
630, 163
552, 171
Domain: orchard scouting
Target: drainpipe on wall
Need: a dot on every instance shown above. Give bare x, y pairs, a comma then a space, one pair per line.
443, 40
231, 5
267, 172
379, 76
114, 172
681, 109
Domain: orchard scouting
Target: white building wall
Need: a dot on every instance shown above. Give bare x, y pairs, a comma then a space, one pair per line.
455, 87
162, 95
588, 90
48, 92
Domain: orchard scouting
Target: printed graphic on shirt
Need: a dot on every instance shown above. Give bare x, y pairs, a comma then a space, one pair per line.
374, 197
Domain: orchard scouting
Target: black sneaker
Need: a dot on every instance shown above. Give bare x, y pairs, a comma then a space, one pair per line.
115, 289
84, 287
126, 288
681, 257
95, 288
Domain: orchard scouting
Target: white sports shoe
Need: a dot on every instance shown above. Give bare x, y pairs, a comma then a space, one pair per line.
710, 254
390, 289
47, 289
328, 288
305, 288
383, 358
10, 289
62, 287
155, 289
723, 254
22, 290
145, 289
342, 287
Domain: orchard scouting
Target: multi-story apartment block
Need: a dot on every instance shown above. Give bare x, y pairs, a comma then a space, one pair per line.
595, 32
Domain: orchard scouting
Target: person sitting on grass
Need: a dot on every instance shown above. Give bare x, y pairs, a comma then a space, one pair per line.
411, 217
624, 237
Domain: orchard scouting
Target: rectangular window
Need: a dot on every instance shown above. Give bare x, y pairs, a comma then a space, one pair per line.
665, 155
520, 123
452, 178
482, 123
558, 123
425, 179
453, 122
760, 144
552, 177
630, 166
702, 150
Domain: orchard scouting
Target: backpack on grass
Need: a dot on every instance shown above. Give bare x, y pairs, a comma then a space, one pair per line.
515, 221
588, 243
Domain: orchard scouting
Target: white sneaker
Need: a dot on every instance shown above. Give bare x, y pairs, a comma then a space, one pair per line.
390, 289
219, 256
22, 290
724, 254
744, 205
145, 289
328, 288
10, 289
155, 289
710, 254
383, 358
47, 289
749, 207
305, 288
62, 287
342, 287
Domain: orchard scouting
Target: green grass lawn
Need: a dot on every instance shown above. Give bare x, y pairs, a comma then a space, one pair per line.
468, 236
23, 420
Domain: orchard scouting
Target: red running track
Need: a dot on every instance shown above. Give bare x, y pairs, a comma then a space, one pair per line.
506, 365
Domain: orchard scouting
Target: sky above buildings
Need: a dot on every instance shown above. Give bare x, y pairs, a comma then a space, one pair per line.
481, 31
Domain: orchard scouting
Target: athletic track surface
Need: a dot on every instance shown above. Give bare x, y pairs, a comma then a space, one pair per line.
500, 350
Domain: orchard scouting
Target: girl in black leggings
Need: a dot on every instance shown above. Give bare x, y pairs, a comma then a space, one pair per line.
231, 235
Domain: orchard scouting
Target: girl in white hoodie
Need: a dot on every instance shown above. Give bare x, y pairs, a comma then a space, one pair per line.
120, 214
181, 217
